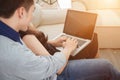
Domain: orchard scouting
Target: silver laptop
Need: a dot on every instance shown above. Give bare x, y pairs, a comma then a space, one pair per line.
80, 25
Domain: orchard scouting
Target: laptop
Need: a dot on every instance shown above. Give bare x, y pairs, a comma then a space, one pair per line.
80, 25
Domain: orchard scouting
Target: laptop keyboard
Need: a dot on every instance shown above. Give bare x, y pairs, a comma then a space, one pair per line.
80, 41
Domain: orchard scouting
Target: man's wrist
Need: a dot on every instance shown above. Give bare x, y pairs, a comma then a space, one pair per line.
66, 51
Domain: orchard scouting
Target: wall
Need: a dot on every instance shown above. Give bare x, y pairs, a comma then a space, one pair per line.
108, 22
101, 4
92, 4
108, 36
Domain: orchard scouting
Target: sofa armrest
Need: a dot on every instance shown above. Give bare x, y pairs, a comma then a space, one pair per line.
89, 52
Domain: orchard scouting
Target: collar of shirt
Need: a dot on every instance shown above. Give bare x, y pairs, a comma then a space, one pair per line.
6, 31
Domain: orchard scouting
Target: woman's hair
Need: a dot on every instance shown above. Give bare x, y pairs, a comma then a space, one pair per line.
41, 37
8, 7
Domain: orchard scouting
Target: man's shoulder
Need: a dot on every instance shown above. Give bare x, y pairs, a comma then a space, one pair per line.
8, 47
4, 39
7, 44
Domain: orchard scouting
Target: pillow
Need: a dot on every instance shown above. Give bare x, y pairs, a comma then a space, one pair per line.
53, 16
77, 5
45, 5
37, 16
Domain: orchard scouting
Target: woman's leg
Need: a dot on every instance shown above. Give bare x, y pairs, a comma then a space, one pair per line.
89, 69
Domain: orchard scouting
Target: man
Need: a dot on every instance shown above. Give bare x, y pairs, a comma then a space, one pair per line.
17, 62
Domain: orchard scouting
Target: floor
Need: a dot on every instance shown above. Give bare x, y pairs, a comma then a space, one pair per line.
113, 55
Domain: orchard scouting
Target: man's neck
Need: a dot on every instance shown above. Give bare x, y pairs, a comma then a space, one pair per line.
10, 22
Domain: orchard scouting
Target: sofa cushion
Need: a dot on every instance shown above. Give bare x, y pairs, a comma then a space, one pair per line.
53, 16
57, 15
77, 5
51, 30
37, 16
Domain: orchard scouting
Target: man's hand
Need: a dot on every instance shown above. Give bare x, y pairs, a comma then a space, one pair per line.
70, 45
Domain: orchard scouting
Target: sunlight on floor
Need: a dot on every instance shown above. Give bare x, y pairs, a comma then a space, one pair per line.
113, 55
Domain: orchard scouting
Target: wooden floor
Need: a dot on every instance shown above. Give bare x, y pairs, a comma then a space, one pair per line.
113, 55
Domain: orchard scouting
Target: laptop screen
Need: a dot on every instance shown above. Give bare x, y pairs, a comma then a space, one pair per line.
80, 24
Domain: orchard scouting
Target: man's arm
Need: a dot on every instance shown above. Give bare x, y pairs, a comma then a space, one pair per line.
34, 44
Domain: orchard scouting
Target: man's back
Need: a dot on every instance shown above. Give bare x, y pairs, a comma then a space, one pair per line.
17, 62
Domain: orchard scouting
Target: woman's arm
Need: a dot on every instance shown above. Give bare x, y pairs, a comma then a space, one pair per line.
58, 42
35, 45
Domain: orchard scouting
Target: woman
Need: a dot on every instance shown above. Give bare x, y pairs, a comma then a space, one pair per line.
41, 38
89, 69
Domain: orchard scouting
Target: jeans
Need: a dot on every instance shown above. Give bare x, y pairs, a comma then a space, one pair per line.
89, 69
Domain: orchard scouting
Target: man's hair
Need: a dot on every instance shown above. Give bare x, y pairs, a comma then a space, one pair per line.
8, 7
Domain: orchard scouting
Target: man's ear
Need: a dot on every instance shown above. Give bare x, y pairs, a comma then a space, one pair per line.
21, 12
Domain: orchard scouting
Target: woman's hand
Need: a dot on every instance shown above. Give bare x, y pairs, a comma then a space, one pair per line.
58, 42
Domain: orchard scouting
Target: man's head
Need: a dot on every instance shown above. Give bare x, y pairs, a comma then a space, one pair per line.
20, 10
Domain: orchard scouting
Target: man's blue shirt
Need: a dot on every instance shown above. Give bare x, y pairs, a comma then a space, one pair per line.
6, 31
18, 62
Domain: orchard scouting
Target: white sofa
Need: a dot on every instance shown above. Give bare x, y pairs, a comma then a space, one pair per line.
51, 22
